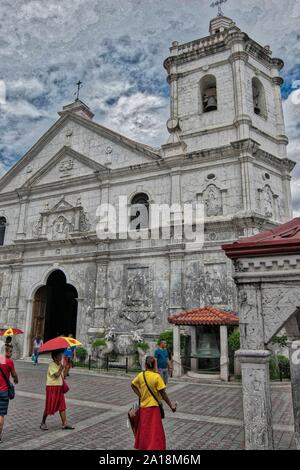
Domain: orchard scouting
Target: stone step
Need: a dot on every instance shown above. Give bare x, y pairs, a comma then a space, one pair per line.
43, 359
200, 376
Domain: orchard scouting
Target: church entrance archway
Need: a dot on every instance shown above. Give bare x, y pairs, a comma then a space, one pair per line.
54, 308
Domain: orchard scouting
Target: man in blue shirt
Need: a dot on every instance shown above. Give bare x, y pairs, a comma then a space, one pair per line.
163, 363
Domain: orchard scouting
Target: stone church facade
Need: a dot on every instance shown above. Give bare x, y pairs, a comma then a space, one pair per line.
226, 149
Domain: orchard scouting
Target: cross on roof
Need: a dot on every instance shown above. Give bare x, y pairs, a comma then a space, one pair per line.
79, 85
218, 4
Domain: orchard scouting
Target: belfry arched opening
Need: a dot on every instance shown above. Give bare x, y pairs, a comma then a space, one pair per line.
54, 308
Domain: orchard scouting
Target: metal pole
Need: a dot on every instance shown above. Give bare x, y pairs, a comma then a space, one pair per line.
126, 365
107, 364
90, 360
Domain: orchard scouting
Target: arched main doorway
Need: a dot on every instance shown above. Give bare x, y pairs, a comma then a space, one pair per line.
54, 308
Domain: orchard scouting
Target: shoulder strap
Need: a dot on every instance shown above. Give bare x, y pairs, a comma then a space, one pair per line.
5, 378
151, 392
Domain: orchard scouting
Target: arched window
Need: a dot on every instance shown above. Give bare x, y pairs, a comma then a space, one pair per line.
2, 230
209, 95
139, 211
259, 98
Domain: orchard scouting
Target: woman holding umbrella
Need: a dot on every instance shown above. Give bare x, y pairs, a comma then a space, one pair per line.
56, 386
55, 390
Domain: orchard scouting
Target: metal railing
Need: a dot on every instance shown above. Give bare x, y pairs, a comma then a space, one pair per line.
106, 364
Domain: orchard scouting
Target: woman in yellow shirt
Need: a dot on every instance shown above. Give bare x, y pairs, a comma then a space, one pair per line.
151, 389
55, 398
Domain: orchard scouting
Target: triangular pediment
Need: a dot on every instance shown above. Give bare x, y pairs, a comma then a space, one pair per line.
64, 166
62, 205
108, 144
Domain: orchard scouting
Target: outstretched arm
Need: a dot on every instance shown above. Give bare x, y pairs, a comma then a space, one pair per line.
165, 397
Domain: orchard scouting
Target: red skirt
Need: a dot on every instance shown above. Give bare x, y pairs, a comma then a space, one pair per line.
55, 399
150, 433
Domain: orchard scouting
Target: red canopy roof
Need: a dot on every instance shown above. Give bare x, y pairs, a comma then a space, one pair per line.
204, 316
282, 239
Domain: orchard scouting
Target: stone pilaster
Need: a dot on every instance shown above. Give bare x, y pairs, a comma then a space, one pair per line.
280, 125
224, 359
194, 360
256, 399
175, 291
12, 317
286, 182
101, 294
294, 348
238, 60
177, 368
246, 150
22, 222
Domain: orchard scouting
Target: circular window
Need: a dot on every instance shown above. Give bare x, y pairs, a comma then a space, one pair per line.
267, 176
211, 176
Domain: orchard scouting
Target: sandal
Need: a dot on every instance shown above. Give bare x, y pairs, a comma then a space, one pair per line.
68, 427
44, 427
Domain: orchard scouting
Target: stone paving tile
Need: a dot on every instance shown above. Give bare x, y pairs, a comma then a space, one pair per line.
196, 400
24, 417
282, 406
210, 401
100, 388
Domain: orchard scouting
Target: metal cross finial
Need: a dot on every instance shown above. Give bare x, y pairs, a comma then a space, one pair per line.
218, 4
79, 85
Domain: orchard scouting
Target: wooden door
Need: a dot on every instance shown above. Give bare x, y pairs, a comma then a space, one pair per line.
38, 315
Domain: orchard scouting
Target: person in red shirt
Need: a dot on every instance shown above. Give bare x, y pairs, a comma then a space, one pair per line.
8, 368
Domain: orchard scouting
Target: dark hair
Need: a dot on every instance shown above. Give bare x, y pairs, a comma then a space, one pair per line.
150, 362
55, 353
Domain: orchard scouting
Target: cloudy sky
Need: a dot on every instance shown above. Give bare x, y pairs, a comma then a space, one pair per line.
116, 47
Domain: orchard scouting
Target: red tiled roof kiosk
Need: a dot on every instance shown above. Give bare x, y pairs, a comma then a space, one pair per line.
197, 317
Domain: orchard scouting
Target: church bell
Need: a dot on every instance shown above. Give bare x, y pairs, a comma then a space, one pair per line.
208, 347
210, 100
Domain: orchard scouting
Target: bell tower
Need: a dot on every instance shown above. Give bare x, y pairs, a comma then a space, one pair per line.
225, 99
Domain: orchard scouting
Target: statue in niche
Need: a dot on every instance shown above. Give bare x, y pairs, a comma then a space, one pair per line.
137, 289
213, 201
37, 228
267, 201
61, 228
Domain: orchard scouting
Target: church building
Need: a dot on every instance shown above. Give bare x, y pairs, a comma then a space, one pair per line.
227, 149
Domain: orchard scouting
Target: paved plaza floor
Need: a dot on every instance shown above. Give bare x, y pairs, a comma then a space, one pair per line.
209, 415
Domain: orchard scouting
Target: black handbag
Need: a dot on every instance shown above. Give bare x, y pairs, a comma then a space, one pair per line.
161, 408
11, 388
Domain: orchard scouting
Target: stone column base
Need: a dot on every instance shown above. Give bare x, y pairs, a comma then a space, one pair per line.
256, 399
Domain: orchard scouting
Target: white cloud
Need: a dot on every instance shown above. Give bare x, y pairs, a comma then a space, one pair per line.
139, 116
21, 108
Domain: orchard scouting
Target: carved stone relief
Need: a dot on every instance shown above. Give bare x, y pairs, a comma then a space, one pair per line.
66, 167
137, 298
251, 321
278, 304
61, 221
255, 407
212, 199
267, 202
207, 285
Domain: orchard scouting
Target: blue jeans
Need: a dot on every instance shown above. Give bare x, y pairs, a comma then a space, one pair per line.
164, 375
36, 357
